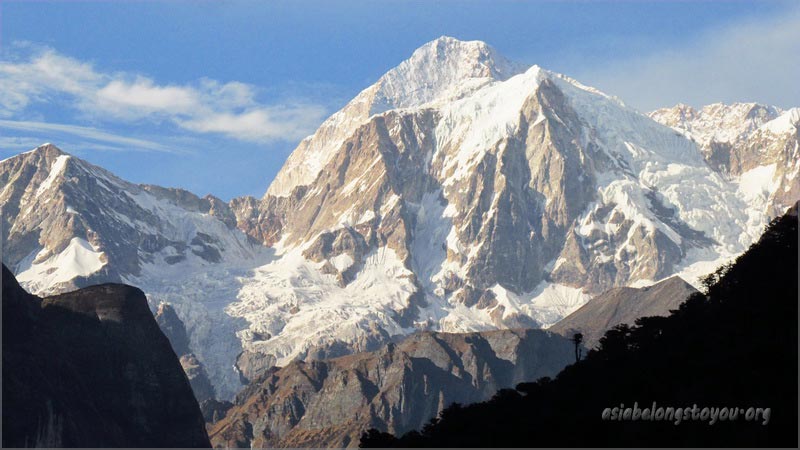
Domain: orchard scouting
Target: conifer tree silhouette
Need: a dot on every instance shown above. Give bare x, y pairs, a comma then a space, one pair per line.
577, 339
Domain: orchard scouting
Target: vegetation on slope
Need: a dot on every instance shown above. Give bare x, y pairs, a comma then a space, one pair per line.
735, 345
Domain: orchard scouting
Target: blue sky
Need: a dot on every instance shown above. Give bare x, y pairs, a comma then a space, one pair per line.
212, 96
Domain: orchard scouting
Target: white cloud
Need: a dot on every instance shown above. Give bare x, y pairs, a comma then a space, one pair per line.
41, 77
94, 134
142, 98
291, 122
756, 60
207, 106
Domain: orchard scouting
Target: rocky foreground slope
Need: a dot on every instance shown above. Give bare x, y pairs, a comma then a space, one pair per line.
397, 388
329, 403
91, 368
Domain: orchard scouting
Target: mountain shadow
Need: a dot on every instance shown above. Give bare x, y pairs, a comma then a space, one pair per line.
91, 368
733, 346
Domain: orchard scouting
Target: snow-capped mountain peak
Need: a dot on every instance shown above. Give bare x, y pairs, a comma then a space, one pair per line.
786, 122
56, 203
505, 197
444, 69
460, 192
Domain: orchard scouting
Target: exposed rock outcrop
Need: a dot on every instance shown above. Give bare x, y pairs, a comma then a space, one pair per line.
214, 410
173, 328
329, 403
91, 368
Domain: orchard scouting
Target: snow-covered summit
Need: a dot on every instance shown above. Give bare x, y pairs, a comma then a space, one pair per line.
787, 122
467, 79
444, 69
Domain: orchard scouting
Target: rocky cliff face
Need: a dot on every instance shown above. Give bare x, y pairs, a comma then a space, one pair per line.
175, 331
329, 403
91, 368
623, 305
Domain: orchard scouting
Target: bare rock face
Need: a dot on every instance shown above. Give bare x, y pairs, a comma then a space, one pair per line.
214, 410
173, 328
198, 378
329, 403
342, 253
91, 368
623, 305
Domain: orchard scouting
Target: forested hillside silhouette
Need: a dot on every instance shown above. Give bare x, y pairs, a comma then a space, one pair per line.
735, 345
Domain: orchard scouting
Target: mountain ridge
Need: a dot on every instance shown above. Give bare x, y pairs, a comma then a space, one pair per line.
623, 305
329, 403
412, 83
507, 205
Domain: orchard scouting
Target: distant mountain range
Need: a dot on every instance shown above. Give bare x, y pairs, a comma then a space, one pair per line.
461, 192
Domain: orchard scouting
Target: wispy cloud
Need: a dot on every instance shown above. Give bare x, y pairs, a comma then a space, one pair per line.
45, 76
93, 134
756, 60
18, 143
292, 122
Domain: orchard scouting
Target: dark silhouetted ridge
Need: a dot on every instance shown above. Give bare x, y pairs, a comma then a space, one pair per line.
733, 346
91, 368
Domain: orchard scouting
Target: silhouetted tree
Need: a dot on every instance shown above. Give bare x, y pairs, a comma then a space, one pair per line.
577, 340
